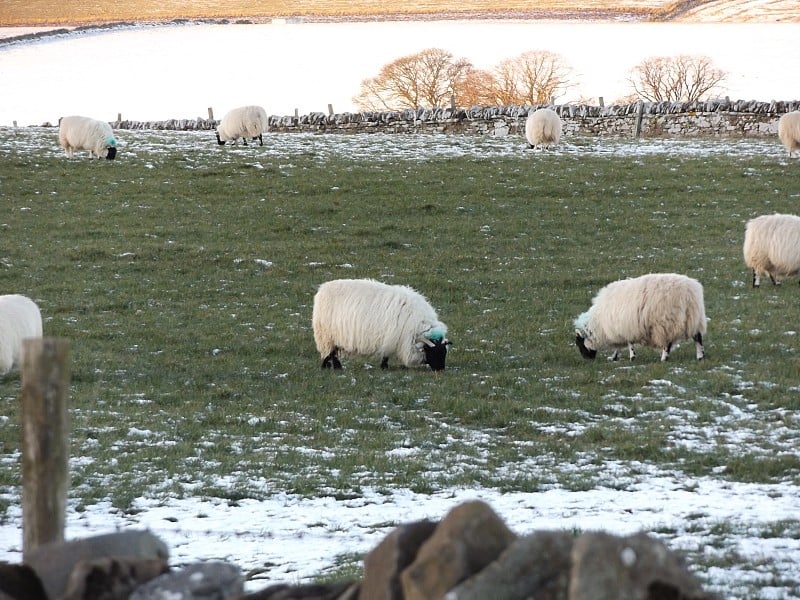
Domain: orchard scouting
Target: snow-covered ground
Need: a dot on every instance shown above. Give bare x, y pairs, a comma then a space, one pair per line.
290, 539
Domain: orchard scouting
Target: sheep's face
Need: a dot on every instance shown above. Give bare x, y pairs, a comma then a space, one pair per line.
586, 351
111, 153
436, 353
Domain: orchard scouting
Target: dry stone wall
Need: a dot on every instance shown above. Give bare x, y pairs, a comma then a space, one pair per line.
724, 117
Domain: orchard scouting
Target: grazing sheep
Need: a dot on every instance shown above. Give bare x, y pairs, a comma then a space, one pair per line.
84, 133
654, 310
243, 122
543, 128
772, 246
19, 319
789, 131
367, 317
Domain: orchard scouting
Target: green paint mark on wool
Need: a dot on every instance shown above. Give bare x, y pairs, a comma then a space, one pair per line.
436, 334
111, 141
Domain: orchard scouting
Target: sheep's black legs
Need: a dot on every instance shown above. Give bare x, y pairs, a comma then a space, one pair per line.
385, 362
332, 361
698, 344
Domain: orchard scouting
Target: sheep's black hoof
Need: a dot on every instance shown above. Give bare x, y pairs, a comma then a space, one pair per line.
385, 362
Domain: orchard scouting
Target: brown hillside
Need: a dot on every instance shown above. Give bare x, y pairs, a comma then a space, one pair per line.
75, 12
50, 12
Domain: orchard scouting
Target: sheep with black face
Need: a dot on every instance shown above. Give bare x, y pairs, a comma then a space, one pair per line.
84, 133
655, 310
370, 318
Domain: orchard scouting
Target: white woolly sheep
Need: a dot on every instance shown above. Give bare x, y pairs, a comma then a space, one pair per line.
772, 246
84, 133
19, 319
543, 128
370, 318
243, 122
655, 310
789, 131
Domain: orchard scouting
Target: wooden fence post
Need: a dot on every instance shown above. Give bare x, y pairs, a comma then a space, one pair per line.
330, 109
210, 113
639, 113
45, 440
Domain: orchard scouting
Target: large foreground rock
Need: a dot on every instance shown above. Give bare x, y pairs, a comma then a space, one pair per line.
55, 562
468, 538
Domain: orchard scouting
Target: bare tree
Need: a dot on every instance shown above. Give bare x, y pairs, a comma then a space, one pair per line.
429, 78
534, 77
476, 89
683, 78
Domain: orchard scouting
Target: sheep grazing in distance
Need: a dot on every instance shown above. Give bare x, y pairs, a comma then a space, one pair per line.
243, 122
19, 319
789, 131
543, 128
370, 318
84, 133
772, 246
655, 310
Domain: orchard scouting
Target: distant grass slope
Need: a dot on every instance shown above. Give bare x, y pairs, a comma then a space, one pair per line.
48, 12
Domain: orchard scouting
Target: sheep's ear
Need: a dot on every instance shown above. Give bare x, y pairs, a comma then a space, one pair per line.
427, 342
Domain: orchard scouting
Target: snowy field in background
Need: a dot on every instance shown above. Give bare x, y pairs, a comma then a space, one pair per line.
158, 72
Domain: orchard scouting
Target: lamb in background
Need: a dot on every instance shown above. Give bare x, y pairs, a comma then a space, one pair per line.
85, 133
19, 319
370, 318
772, 246
789, 131
243, 122
543, 128
654, 310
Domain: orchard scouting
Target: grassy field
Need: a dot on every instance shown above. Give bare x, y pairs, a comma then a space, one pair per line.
183, 275
32, 12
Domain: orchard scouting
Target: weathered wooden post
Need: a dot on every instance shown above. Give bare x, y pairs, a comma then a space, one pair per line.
119, 117
638, 123
210, 113
45, 440
601, 102
330, 109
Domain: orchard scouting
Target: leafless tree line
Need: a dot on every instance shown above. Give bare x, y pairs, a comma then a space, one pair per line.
435, 78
